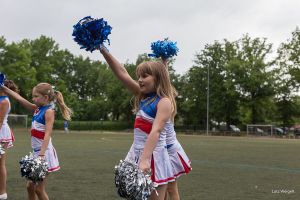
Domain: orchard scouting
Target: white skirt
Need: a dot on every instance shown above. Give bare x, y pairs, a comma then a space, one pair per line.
161, 167
51, 158
6, 135
180, 162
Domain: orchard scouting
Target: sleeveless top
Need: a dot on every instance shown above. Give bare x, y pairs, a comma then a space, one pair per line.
38, 127
144, 121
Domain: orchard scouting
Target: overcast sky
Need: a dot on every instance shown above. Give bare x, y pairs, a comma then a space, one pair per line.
137, 23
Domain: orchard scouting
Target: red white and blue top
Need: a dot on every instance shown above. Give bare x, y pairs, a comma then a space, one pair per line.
161, 167
176, 160
38, 128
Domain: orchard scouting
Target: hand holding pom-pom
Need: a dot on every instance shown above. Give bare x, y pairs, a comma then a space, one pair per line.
164, 49
90, 33
131, 182
33, 169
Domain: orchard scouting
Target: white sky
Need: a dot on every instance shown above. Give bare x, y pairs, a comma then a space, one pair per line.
137, 23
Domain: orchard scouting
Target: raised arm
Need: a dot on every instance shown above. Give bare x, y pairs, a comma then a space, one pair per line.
164, 110
165, 62
26, 104
120, 72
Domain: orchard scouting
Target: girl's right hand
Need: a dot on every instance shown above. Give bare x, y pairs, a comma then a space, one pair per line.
103, 48
144, 165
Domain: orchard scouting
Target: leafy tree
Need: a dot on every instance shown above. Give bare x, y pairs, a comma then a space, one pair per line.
15, 62
288, 79
192, 99
216, 61
254, 78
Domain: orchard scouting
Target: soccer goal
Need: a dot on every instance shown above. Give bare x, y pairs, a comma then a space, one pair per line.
17, 121
260, 129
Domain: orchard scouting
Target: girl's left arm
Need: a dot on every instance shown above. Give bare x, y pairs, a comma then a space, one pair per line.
49, 119
164, 110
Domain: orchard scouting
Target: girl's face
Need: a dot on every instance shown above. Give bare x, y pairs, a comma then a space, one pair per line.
146, 83
39, 99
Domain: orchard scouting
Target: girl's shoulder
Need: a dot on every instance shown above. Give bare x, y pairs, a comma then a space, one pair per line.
49, 111
49, 114
4, 100
164, 101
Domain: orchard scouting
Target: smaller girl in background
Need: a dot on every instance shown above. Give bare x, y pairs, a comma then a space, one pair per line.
6, 135
43, 97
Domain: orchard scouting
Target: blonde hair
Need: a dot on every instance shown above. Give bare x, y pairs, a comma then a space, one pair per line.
162, 83
46, 89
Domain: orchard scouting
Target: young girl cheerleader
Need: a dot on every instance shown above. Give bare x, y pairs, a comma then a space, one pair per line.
155, 109
6, 135
43, 97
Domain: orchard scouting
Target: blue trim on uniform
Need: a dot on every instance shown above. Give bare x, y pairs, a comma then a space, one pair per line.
3, 97
149, 104
39, 114
37, 149
169, 146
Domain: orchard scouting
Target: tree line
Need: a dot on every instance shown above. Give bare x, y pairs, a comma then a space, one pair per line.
248, 82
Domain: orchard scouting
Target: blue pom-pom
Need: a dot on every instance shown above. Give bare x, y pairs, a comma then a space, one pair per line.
90, 33
2, 78
164, 49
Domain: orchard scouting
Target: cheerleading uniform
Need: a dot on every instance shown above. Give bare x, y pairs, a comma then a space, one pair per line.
179, 160
161, 167
6, 134
38, 128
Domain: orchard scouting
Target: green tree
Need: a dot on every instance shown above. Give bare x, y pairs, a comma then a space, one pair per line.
217, 61
15, 62
254, 78
288, 79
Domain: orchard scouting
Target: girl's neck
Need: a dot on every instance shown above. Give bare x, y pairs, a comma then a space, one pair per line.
45, 105
151, 94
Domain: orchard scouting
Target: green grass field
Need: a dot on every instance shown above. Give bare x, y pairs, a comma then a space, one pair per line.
223, 167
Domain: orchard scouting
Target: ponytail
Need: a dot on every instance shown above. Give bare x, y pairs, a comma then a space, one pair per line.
65, 110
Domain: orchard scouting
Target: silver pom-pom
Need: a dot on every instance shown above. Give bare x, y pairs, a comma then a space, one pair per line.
131, 182
33, 168
2, 150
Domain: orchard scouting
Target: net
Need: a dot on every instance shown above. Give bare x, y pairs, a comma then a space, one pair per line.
17, 121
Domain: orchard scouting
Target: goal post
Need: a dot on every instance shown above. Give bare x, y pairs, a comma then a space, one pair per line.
260, 129
17, 121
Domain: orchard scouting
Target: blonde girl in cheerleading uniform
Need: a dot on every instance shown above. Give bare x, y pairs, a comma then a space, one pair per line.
43, 96
6, 135
155, 108
180, 162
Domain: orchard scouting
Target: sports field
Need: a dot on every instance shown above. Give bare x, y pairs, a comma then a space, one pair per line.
224, 168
